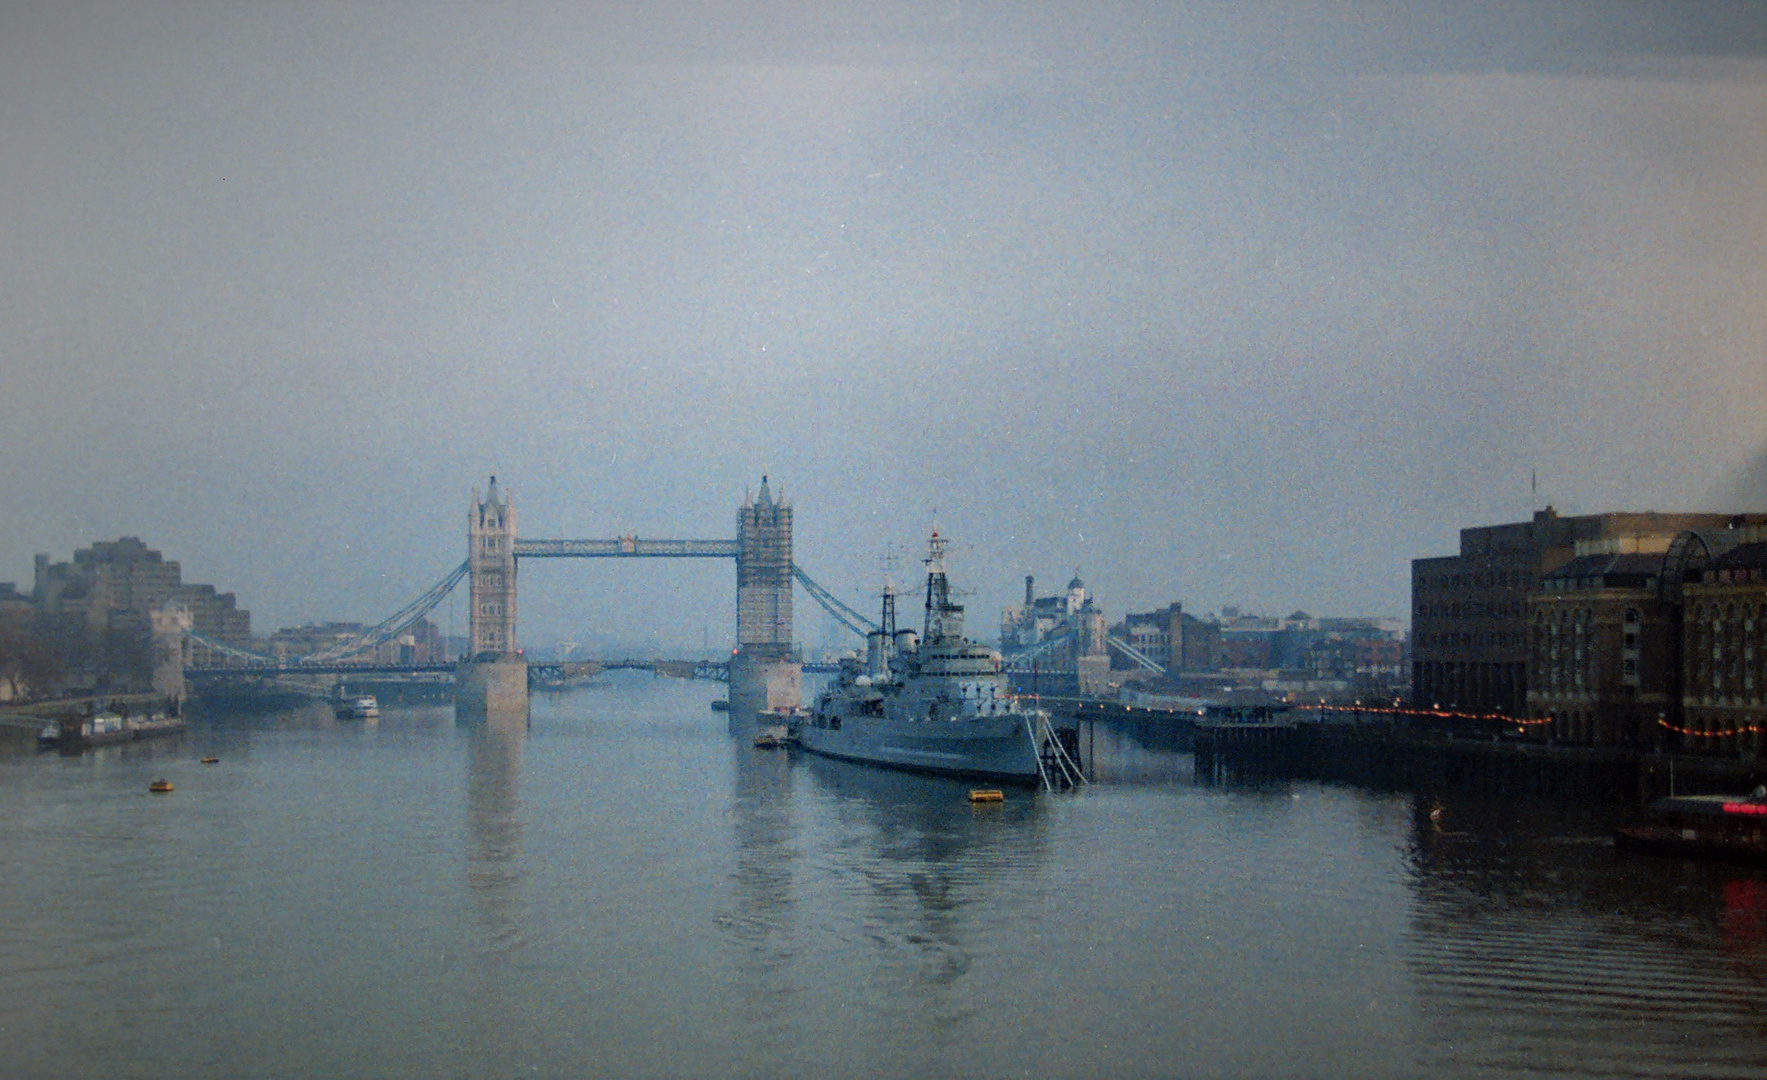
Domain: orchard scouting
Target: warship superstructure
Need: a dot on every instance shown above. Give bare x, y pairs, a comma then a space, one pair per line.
934, 702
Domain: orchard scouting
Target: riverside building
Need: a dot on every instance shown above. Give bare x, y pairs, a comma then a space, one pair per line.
1724, 651
118, 584
1653, 644
1471, 631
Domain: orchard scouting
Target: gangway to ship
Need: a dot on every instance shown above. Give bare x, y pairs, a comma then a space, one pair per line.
1055, 766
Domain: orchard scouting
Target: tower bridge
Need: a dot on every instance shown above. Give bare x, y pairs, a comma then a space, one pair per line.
764, 672
491, 681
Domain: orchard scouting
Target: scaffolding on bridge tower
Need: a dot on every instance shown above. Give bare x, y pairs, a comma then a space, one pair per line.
763, 576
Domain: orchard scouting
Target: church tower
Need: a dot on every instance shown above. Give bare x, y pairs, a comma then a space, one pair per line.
490, 538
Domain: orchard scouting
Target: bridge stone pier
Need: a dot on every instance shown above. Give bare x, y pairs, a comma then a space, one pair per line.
491, 682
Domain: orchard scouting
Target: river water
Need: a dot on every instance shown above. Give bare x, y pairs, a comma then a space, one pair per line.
629, 891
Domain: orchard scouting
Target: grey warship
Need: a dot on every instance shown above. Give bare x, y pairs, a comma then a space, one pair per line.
936, 703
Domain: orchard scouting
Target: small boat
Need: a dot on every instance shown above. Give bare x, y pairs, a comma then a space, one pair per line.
987, 795
364, 707
770, 739
211, 761
105, 728
720, 705
160, 787
1702, 826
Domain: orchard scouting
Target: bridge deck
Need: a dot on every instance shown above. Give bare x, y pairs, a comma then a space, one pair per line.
625, 547
339, 668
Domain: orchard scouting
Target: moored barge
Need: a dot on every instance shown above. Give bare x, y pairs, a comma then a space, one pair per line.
1703, 827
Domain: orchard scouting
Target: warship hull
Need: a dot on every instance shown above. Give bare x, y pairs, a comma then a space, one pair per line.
997, 749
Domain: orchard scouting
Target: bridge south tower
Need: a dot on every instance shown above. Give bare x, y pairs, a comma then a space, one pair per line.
763, 575
765, 673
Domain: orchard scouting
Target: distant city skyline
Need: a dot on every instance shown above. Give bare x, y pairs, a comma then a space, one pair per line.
1226, 306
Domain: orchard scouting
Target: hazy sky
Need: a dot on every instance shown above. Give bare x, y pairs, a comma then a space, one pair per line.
1226, 306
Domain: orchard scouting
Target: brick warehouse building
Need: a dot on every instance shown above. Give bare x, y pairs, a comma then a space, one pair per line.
1661, 648
1724, 651
1606, 646
1471, 629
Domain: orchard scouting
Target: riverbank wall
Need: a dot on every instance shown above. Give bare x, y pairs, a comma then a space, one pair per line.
1396, 757
1371, 751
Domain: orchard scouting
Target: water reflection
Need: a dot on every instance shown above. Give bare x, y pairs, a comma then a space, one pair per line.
1745, 916
493, 813
925, 880
762, 918
1534, 942
494, 878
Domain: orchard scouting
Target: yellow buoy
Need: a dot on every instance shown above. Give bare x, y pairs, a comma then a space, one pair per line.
160, 787
986, 795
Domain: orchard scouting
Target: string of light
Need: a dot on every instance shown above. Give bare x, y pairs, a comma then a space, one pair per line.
1746, 729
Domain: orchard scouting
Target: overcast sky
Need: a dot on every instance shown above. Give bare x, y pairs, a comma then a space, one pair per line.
1220, 306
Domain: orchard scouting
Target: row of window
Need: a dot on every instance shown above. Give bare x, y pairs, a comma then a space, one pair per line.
1726, 649
1513, 609
1493, 639
1733, 575
1478, 686
1489, 579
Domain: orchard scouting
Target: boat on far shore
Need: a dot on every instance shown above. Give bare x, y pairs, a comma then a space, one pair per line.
362, 707
105, 729
1702, 827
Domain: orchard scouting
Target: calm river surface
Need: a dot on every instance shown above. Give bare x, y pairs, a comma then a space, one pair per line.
628, 891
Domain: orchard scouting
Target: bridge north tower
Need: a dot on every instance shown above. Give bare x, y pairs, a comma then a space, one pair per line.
490, 539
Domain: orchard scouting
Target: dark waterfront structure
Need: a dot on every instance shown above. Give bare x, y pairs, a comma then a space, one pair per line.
1471, 632
1386, 754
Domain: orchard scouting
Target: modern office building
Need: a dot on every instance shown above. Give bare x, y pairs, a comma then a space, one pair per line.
118, 584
